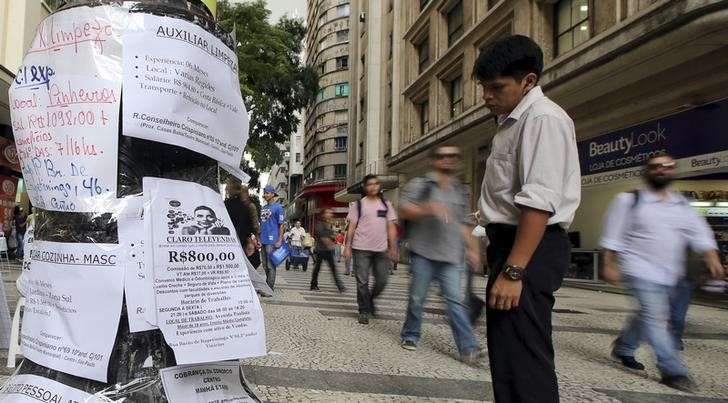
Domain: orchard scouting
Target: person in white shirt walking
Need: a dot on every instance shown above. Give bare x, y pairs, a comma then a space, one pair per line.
645, 238
530, 193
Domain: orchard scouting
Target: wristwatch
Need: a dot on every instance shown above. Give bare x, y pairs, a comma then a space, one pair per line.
514, 272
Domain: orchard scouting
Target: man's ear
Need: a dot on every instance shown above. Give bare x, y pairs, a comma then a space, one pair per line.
530, 81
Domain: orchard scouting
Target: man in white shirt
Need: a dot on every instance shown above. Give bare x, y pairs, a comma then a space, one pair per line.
296, 234
645, 238
530, 193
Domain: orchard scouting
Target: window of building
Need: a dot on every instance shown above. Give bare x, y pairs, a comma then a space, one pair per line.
340, 143
389, 94
342, 63
320, 147
298, 157
423, 3
340, 170
320, 121
455, 23
342, 36
572, 24
341, 116
361, 152
319, 173
322, 20
362, 108
322, 94
456, 96
424, 110
342, 10
342, 130
423, 53
341, 90
322, 68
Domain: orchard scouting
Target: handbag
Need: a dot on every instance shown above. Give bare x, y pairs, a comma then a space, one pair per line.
277, 256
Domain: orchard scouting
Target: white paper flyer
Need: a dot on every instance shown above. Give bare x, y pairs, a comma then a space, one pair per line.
181, 87
34, 389
138, 278
207, 307
64, 107
208, 383
73, 306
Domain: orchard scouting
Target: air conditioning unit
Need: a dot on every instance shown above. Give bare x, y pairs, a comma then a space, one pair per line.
362, 17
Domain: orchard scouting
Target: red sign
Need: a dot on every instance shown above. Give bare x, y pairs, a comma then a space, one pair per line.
9, 155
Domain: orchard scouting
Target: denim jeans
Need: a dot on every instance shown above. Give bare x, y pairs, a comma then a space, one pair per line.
364, 261
268, 266
679, 304
19, 249
651, 322
449, 276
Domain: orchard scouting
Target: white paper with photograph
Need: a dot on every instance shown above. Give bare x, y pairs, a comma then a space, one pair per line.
138, 279
181, 87
73, 306
34, 389
64, 106
207, 307
208, 383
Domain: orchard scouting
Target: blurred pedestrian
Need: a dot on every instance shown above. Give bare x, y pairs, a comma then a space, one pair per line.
371, 236
645, 237
325, 245
19, 220
440, 239
244, 216
272, 226
530, 193
339, 245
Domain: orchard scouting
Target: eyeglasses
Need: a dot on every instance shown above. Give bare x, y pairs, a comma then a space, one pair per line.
666, 165
441, 156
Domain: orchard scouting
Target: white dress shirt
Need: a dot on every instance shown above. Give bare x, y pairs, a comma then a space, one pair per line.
651, 238
533, 162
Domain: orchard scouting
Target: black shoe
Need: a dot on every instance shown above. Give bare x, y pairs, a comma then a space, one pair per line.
629, 362
364, 318
315, 288
680, 382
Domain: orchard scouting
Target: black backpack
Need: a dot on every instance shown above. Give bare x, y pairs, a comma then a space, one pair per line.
424, 195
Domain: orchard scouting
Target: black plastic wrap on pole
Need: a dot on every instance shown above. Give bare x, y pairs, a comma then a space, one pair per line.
133, 373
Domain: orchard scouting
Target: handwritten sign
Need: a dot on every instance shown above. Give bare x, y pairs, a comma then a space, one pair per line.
207, 307
181, 87
64, 107
73, 306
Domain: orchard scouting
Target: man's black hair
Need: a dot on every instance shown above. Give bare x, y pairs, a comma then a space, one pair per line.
513, 56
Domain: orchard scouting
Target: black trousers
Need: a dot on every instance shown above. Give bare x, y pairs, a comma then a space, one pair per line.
328, 256
520, 347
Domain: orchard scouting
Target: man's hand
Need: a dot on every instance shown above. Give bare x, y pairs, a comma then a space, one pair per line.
347, 252
712, 260
505, 293
394, 254
278, 244
611, 273
472, 256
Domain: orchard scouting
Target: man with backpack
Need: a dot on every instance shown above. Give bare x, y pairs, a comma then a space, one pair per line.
645, 237
440, 238
372, 242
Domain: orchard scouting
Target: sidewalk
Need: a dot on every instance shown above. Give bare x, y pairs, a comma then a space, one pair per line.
318, 351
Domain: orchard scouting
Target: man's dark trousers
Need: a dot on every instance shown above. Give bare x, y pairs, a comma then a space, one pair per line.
520, 347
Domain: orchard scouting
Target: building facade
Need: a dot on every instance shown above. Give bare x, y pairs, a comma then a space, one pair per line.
611, 64
326, 120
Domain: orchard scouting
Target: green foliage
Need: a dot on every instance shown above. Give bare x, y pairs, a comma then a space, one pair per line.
273, 80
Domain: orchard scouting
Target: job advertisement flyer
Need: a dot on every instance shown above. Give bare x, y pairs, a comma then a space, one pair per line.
34, 389
64, 107
138, 279
73, 306
210, 383
181, 87
207, 307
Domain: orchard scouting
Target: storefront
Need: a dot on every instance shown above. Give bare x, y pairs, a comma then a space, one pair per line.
614, 162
